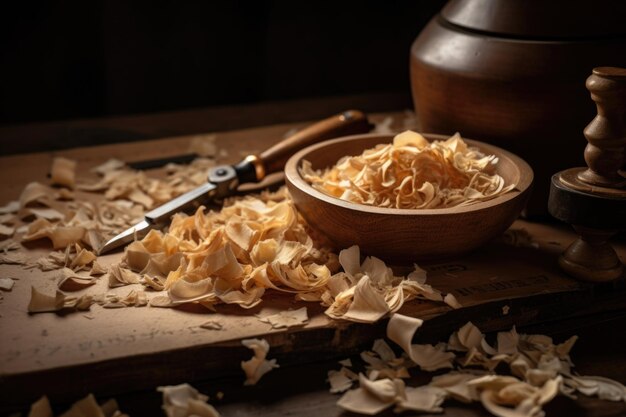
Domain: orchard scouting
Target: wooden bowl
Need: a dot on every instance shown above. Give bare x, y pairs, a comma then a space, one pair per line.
405, 235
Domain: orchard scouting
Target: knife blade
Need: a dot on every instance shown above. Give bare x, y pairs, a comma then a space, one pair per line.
223, 180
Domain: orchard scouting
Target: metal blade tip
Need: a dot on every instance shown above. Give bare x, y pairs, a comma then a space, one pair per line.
127, 236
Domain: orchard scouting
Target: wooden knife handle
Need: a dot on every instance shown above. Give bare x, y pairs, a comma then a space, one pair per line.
347, 123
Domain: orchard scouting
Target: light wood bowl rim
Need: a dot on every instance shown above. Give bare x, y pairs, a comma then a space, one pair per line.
524, 172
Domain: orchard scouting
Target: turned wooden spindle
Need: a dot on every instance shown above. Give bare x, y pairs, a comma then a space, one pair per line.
593, 199
606, 133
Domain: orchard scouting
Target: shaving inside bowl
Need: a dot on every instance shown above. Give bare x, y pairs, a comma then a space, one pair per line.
412, 173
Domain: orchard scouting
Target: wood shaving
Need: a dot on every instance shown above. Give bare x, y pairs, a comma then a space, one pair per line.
122, 183
7, 219
87, 407
11, 207
412, 173
346, 362
373, 397
60, 236
97, 269
6, 231
110, 165
541, 371
340, 381
212, 325
6, 284
184, 400
603, 388
366, 292
70, 281
11, 258
63, 172
451, 300
135, 298
119, 276
401, 330
54, 260
41, 213
41, 303
287, 318
82, 258
37, 194
258, 365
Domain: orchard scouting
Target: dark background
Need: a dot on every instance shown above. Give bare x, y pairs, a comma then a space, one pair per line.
92, 58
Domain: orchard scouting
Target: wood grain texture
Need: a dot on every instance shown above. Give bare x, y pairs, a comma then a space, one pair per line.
405, 234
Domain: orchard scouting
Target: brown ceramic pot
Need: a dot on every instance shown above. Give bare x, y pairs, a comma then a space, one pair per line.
513, 73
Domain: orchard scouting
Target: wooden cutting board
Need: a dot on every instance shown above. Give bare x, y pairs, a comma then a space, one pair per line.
109, 351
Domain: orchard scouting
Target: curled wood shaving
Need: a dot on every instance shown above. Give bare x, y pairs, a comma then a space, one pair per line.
412, 173
401, 330
37, 194
63, 172
60, 236
184, 400
70, 281
258, 365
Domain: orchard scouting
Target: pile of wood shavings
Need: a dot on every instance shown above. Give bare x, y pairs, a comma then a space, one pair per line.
261, 243
65, 217
539, 370
412, 173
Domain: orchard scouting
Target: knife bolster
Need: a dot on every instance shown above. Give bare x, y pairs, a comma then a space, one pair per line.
250, 169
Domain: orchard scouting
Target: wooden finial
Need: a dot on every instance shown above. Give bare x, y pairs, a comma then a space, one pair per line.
593, 199
605, 153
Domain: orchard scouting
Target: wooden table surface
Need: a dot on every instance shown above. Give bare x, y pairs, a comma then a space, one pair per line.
593, 313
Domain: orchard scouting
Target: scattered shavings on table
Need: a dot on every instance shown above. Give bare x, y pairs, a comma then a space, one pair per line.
539, 371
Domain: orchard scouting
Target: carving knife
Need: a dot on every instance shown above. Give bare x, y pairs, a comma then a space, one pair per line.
223, 180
